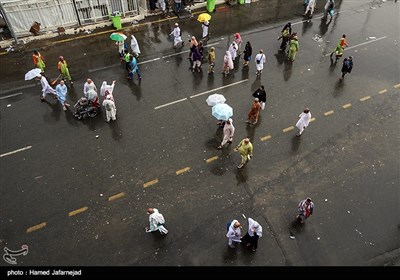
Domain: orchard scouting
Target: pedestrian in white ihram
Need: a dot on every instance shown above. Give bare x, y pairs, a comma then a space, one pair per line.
205, 26
233, 48
304, 121
107, 90
156, 221
229, 131
234, 233
254, 232
260, 61
310, 7
111, 110
135, 46
46, 88
177, 35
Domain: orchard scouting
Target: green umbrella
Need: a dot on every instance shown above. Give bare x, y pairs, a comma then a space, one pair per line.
117, 36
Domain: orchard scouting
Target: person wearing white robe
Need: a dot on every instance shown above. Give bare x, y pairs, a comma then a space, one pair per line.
205, 26
156, 221
229, 131
233, 50
260, 60
107, 90
121, 47
135, 46
46, 88
177, 35
111, 110
254, 232
228, 63
234, 233
310, 7
89, 86
304, 120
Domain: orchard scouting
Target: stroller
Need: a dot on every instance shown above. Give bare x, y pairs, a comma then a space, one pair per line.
86, 108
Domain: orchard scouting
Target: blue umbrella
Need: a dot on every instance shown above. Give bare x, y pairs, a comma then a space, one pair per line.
222, 111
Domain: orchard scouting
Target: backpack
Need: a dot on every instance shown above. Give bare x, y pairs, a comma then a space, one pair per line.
228, 225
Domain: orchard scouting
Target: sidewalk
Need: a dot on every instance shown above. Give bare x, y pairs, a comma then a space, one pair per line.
9, 45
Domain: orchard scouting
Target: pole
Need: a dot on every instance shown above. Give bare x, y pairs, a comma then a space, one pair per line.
76, 13
8, 24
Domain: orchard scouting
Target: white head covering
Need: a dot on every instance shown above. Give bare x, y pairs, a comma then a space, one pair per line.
254, 227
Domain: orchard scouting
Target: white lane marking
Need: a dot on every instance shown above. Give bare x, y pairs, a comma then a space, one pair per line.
146, 61
358, 45
170, 103
211, 90
103, 68
11, 95
199, 94
17, 88
16, 151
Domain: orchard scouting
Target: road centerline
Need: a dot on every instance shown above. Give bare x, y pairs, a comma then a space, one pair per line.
15, 151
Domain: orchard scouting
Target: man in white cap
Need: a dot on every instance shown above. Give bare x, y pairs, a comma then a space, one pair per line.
229, 130
111, 110
177, 35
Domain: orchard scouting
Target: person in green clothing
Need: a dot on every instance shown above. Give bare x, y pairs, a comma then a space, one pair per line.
293, 48
245, 149
63, 68
38, 60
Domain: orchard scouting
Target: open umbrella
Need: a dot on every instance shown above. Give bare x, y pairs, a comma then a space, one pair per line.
203, 17
32, 74
117, 36
215, 99
222, 111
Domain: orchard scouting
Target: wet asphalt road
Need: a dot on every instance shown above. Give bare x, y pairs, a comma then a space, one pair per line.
347, 160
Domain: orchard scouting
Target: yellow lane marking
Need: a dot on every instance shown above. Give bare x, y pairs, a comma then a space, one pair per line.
148, 184
396, 86
2, 53
328, 113
288, 129
77, 211
183, 170
345, 106
312, 119
265, 138
211, 159
116, 196
365, 98
39, 226
383, 91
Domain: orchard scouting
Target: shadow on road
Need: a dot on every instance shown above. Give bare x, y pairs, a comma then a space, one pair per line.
287, 70
338, 89
295, 143
116, 132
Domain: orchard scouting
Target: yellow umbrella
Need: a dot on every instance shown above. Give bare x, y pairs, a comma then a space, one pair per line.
203, 17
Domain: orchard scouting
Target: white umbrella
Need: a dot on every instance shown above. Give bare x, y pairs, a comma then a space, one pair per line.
215, 99
32, 74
